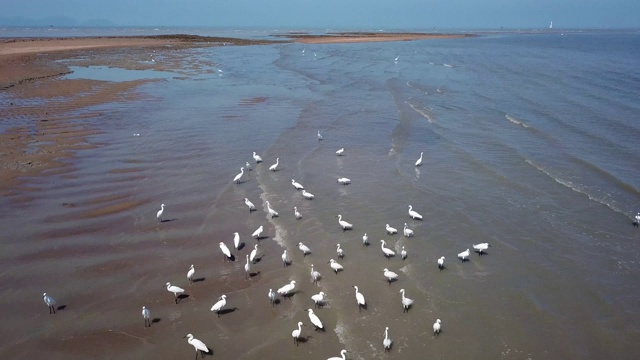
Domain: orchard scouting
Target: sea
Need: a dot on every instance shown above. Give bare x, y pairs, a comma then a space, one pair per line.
530, 142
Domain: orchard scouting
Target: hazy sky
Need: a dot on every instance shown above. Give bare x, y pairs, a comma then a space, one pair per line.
369, 14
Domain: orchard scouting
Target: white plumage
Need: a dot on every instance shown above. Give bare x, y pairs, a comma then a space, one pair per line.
390, 275
414, 215
385, 250
274, 167
296, 213
343, 356
315, 320
480, 248
307, 195
190, 273
257, 157
339, 251
344, 181
236, 240
436, 327
297, 185
390, 230
249, 204
225, 250
217, 307
335, 266
406, 302
254, 252
441, 263
287, 289
319, 135
285, 258
359, 297
146, 314
318, 299
237, 178
272, 296
256, 234
386, 342
159, 214
464, 255
407, 232
403, 253
345, 225
247, 268
365, 240
419, 161
340, 152
304, 248
198, 345
271, 212
296, 333
315, 275
175, 290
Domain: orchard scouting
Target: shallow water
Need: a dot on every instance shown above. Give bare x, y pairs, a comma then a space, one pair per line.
530, 144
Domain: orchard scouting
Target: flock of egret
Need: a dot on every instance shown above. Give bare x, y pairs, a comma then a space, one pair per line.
288, 289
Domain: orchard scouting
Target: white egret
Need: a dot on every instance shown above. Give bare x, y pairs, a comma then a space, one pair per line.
175, 290
480, 248
307, 195
385, 250
236, 240
396, 59
315, 275
247, 268
198, 345
365, 240
441, 263
339, 251
419, 161
287, 289
407, 232
159, 214
335, 266
345, 225
403, 253
237, 178
340, 152
254, 252
436, 327
274, 167
318, 299
315, 320
256, 234
271, 212
390, 230
319, 136
217, 307
250, 205
296, 213
247, 166
304, 248
343, 355
637, 222
50, 302
386, 342
296, 184
414, 215
344, 181
146, 314
285, 258
464, 256
406, 302
359, 298
257, 157
390, 275
272, 297
225, 251
296, 333
190, 273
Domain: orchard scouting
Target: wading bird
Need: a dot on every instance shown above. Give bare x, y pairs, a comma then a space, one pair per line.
237, 178
441, 263
315, 275
256, 234
296, 213
340, 152
318, 299
250, 205
315, 320
257, 157
307, 195
296, 184
436, 327
345, 225
481, 248
385, 250
407, 232
50, 302
406, 302
198, 345
271, 212
146, 314
287, 289
359, 298
335, 266
464, 256
296, 333
159, 214
419, 161
225, 251
304, 248
386, 342
175, 290
217, 307
391, 230
343, 355
254, 253
390, 275
236, 240
414, 215
190, 273
274, 167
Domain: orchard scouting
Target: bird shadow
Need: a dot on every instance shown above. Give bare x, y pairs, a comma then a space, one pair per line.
276, 301
258, 259
243, 181
168, 220
443, 267
262, 238
227, 311
241, 246
182, 296
290, 295
200, 279
482, 253
61, 307
465, 260
253, 274
287, 263
231, 258
156, 320
303, 339
320, 329
363, 307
